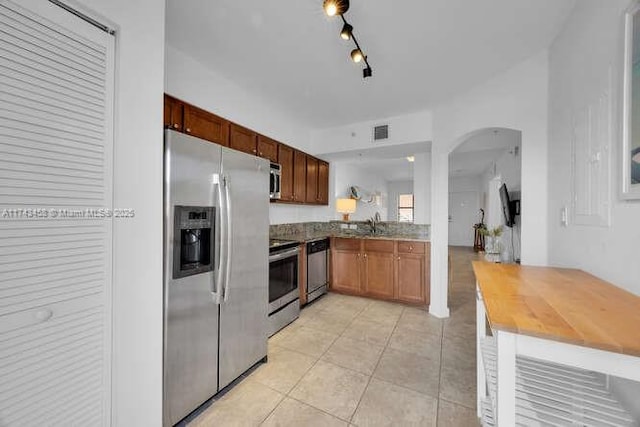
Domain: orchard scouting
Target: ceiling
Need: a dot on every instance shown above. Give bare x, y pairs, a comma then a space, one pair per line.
388, 162
422, 51
477, 154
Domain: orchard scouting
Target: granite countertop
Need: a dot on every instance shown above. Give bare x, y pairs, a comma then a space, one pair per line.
309, 237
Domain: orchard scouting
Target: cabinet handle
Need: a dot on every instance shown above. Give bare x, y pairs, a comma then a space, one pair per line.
188, 130
365, 255
175, 126
398, 258
261, 154
410, 248
254, 151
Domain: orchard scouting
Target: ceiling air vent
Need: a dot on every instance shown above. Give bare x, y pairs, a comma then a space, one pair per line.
380, 133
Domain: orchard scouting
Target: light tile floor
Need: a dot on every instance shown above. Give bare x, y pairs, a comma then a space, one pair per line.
360, 362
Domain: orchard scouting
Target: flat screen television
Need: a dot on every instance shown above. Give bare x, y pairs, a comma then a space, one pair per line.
510, 208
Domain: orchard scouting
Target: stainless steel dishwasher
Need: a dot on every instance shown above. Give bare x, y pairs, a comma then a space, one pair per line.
317, 268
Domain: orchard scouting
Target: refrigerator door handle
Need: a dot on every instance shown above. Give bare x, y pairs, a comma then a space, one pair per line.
229, 236
216, 286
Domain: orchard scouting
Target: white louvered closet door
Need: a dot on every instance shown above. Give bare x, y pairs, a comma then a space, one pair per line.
56, 131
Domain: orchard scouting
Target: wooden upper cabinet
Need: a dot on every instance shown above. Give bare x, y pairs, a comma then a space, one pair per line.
243, 139
323, 182
312, 180
304, 179
205, 125
268, 148
299, 176
173, 113
285, 158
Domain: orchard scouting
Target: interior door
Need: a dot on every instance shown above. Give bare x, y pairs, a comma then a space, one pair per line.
243, 313
56, 122
463, 214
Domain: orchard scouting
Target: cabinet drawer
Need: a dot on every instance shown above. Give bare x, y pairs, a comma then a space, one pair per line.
411, 247
378, 246
346, 244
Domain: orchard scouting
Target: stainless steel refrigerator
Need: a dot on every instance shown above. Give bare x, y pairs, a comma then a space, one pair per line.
216, 218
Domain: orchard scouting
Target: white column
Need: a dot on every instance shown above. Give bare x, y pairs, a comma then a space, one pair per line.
439, 231
422, 188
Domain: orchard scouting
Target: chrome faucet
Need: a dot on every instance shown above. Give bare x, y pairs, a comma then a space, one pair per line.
374, 222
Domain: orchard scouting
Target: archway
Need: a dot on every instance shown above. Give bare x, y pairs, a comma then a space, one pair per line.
479, 167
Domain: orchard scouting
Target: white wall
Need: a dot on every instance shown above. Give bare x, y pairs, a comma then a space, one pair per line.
422, 188
580, 61
191, 81
137, 278
515, 99
396, 188
349, 174
409, 128
581, 58
459, 184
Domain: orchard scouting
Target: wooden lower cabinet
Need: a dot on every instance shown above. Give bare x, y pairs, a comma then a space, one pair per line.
411, 278
378, 275
379, 268
346, 271
383, 269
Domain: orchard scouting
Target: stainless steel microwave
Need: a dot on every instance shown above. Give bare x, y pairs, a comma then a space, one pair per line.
275, 177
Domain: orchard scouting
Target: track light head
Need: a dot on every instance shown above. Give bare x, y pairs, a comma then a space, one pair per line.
356, 55
346, 31
335, 7
367, 72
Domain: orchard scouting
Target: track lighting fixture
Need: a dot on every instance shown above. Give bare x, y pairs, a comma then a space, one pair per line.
346, 31
335, 7
356, 55
339, 7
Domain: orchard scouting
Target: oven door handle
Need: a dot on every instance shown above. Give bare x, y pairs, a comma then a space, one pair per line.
283, 255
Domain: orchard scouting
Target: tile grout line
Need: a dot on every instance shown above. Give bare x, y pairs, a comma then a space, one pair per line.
288, 394
395, 325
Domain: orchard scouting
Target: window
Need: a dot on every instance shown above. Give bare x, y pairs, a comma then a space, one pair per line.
405, 208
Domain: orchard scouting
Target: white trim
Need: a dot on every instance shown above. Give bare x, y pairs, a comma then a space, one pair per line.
628, 191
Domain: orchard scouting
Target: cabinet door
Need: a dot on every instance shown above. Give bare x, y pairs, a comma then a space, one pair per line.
173, 114
202, 124
242, 139
268, 148
345, 271
299, 176
285, 158
379, 274
323, 182
312, 180
411, 278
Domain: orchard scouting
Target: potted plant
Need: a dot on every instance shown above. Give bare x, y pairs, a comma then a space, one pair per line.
493, 246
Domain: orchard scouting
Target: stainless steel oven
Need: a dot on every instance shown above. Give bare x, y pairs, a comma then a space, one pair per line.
284, 296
